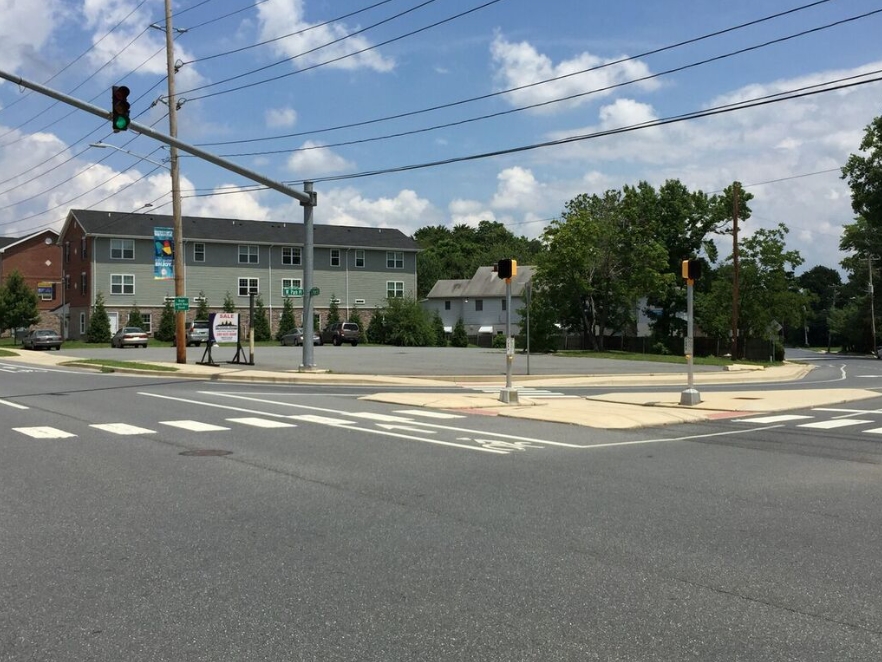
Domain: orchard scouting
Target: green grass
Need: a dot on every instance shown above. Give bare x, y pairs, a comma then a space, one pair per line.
658, 358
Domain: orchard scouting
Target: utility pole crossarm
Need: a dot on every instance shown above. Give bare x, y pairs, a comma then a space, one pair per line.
304, 198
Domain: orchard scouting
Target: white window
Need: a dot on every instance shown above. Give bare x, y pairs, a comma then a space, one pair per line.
122, 283
394, 260
82, 323
199, 252
122, 249
359, 258
359, 302
394, 288
49, 296
291, 255
335, 257
291, 282
248, 254
248, 286
84, 283
147, 325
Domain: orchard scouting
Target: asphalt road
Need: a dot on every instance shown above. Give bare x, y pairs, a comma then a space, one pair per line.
339, 529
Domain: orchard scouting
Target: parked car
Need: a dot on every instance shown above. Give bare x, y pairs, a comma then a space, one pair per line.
342, 332
41, 339
296, 338
129, 336
196, 333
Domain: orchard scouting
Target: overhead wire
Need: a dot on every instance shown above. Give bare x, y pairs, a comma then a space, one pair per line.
490, 95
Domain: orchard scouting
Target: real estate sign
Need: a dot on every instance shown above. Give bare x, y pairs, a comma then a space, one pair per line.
223, 327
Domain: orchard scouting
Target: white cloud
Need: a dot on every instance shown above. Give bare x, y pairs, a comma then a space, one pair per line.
232, 203
407, 211
21, 37
520, 64
314, 161
281, 117
311, 43
469, 212
518, 189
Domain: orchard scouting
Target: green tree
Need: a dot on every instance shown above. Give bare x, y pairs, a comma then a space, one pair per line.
229, 304
135, 318
376, 332
601, 258
166, 330
542, 318
459, 338
333, 311
408, 323
287, 323
99, 322
202, 310
355, 318
864, 175
260, 323
438, 328
19, 307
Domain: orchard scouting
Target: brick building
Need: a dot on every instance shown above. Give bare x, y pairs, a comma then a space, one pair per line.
38, 258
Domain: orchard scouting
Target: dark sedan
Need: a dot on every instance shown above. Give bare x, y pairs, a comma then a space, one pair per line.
41, 339
296, 338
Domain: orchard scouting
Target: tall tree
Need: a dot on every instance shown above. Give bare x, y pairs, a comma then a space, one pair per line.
287, 323
166, 330
202, 310
19, 307
229, 305
864, 175
599, 260
135, 318
260, 322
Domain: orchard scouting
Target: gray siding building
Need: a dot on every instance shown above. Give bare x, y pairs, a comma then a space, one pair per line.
113, 253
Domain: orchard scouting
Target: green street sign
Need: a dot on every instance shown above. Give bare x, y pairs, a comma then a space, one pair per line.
181, 304
314, 292
292, 291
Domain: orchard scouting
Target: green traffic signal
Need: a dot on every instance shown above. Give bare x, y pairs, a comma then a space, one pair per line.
120, 108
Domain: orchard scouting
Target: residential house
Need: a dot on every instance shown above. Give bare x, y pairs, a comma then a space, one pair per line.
37, 258
480, 301
113, 253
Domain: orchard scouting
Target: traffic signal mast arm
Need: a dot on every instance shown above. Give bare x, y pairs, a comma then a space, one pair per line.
306, 198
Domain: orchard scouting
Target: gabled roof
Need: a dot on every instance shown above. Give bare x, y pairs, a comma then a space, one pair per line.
195, 228
485, 284
9, 242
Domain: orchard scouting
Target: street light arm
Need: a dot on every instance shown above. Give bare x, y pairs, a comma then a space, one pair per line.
137, 156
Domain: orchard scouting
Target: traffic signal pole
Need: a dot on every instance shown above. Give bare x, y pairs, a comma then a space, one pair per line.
307, 198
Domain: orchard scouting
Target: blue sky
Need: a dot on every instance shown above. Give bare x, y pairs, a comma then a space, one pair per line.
389, 59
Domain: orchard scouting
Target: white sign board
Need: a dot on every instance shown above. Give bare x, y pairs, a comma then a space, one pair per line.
224, 327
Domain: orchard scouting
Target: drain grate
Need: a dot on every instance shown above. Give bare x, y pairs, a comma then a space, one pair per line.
206, 452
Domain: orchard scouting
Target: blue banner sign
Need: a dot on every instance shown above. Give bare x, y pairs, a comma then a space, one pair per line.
163, 254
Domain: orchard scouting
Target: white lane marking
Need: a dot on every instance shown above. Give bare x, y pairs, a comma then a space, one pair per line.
194, 426
874, 431
400, 419
393, 426
261, 423
779, 418
368, 431
527, 391
690, 437
122, 428
45, 433
837, 423
842, 410
321, 420
428, 414
14, 405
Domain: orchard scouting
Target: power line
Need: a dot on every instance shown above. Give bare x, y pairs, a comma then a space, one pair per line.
484, 97
571, 97
332, 60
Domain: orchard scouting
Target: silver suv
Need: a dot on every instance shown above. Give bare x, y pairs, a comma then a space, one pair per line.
196, 333
342, 332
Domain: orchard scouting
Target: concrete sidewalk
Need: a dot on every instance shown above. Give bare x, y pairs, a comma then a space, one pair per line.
605, 411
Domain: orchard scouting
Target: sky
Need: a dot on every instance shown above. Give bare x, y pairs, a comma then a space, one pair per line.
411, 113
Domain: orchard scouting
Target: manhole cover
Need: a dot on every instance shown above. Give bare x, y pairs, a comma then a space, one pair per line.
206, 452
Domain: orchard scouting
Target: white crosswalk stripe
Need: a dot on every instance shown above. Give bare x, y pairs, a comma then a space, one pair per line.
123, 429
836, 423
261, 422
427, 413
321, 420
778, 418
194, 426
45, 433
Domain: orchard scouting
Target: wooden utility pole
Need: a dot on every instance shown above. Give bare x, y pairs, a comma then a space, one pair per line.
735, 294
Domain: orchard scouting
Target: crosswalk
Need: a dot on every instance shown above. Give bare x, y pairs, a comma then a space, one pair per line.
526, 392
126, 429
845, 420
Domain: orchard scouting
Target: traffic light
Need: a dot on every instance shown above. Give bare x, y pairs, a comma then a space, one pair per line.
120, 106
691, 269
507, 268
